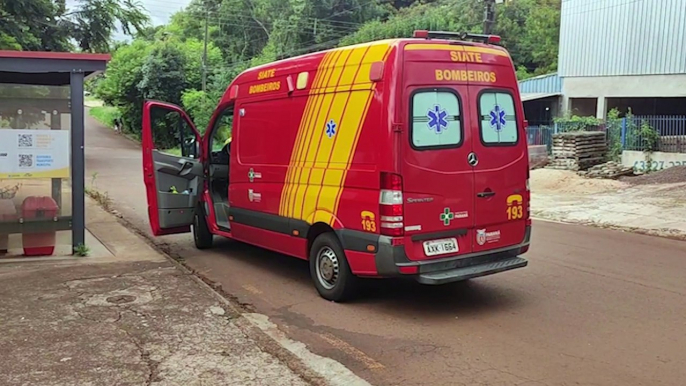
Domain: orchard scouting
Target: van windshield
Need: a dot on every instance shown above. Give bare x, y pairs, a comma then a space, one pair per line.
498, 124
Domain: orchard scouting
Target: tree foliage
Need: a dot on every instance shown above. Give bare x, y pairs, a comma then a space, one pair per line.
48, 25
166, 61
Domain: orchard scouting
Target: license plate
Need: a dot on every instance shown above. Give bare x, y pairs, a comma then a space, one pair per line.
440, 247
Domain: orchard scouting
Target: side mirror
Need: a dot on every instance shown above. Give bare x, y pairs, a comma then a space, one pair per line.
191, 148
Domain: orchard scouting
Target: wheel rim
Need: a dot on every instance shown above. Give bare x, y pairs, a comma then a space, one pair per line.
327, 267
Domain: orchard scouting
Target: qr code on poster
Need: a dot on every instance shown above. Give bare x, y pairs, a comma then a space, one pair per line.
25, 140
25, 160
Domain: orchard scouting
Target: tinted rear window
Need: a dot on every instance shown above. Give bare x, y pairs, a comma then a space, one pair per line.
498, 126
436, 119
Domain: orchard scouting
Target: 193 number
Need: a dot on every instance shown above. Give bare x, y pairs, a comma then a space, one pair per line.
368, 226
515, 212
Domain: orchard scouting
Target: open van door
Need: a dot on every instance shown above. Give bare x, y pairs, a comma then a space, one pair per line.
172, 167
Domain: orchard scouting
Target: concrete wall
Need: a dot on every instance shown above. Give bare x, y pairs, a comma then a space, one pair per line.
602, 87
659, 160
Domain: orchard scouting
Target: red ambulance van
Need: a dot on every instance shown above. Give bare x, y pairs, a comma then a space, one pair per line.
395, 158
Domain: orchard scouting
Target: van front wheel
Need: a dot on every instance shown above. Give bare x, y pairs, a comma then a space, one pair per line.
201, 232
330, 270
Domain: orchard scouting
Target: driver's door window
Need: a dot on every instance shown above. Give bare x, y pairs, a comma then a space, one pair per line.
223, 126
172, 134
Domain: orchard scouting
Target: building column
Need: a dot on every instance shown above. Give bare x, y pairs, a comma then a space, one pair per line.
565, 105
601, 108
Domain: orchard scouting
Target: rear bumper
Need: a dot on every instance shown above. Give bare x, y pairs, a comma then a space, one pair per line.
472, 271
391, 260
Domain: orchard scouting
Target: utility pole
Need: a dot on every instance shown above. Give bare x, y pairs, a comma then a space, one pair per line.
204, 52
489, 16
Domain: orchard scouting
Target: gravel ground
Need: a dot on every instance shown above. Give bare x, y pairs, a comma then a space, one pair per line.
673, 175
568, 182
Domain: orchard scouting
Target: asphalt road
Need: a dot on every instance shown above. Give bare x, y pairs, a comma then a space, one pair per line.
594, 306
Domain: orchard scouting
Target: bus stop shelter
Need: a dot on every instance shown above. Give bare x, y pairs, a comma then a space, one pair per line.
42, 163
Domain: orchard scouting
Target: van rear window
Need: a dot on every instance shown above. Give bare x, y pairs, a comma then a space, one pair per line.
498, 123
436, 119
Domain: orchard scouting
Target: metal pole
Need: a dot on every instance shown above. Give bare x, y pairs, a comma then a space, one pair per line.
489, 16
78, 170
204, 53
56, 124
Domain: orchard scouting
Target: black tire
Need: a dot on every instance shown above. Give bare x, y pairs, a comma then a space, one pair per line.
201, 232
344, 285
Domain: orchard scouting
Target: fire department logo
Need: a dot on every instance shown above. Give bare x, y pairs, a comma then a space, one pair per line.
481, 236
438, 119
498, 120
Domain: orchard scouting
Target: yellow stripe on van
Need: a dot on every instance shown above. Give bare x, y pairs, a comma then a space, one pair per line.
288, 183
313, 175
342, 92
448, 47
342, 110
343, 152
311, 139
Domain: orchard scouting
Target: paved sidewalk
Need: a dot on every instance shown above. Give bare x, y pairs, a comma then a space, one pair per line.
132, 318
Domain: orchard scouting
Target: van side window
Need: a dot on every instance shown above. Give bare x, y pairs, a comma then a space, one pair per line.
222, 129
498, 123
436, 119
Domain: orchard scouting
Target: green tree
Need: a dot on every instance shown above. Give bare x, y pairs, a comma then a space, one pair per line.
47, 25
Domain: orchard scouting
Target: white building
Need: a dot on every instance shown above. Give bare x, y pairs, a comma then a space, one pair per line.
615, 54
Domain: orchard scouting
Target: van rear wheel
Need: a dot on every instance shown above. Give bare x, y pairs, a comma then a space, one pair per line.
201, 232
330, 271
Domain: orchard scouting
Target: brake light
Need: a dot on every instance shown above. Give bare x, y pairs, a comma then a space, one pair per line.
421, 34
493, 39
391, 204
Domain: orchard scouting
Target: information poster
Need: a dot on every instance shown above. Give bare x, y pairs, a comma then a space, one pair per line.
34, 153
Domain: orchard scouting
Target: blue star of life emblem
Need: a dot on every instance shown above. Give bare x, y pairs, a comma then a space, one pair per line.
438, 121
331, 128
498, 120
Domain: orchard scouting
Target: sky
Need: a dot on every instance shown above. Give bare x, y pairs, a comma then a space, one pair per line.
159, 10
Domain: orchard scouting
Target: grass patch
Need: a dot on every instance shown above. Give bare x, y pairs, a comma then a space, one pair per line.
105, 114
82, 250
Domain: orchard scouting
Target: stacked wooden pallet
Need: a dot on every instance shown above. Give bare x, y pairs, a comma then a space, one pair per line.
578, 150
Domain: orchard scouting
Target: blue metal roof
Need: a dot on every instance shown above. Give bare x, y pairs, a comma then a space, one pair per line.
543, 84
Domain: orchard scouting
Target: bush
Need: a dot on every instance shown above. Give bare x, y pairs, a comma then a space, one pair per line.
105, 114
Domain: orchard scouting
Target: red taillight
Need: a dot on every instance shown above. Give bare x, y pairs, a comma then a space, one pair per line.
390, 181
391, 205
421, 34
493, 39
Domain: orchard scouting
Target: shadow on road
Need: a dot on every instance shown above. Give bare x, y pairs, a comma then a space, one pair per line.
397, 297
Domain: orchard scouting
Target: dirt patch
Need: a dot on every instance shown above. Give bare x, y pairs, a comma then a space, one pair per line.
673, 175
565, 181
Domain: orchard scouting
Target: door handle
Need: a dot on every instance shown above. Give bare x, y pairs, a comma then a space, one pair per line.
485, 194
186, 168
